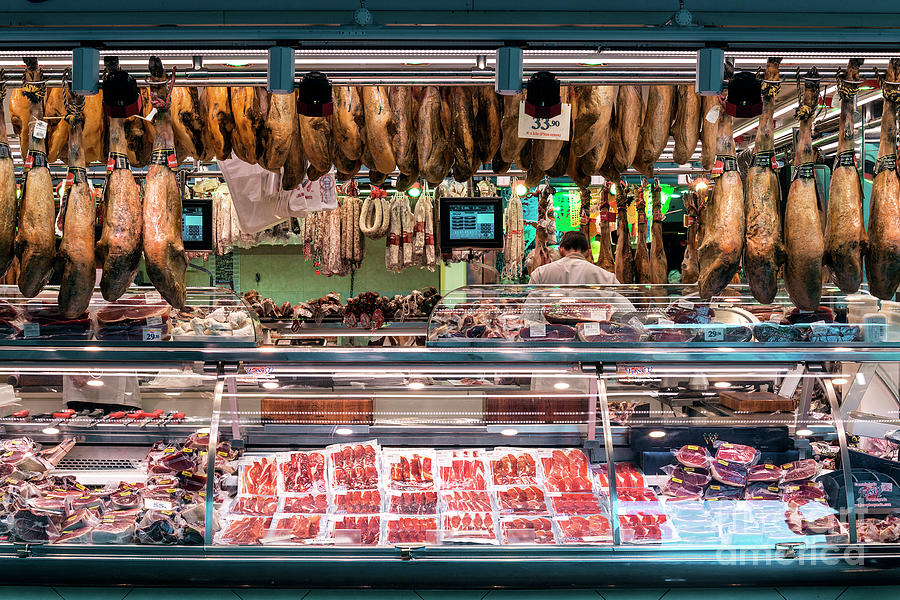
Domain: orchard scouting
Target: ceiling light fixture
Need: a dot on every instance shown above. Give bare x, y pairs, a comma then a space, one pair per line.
804, 432
270, 385
50, 430
509, 432
561, 385
343, 431
722, 385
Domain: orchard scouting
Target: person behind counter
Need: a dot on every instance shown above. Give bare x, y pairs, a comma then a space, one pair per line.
575, 266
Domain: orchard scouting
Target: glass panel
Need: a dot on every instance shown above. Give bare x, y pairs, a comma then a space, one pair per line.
738, 455
420, 455
104, 455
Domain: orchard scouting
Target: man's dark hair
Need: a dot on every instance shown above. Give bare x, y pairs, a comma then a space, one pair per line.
575, 240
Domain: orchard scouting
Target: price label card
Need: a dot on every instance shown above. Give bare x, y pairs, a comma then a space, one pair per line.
552, 128
636, 323
599, 315
685, 304
538, 330
714, 334
40, 130
153, 298
151, 504
31, 330
591, 329
154, 321
151, 334
665, 322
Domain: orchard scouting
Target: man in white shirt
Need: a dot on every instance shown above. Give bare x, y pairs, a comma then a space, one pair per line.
575, 266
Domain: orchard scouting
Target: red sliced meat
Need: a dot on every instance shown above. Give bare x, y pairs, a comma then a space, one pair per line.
736, 453
693, 456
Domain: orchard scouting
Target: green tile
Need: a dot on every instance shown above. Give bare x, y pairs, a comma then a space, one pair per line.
811, 593
181, 594
721, 593
86, 593
451, 594
638, 594
870, 592
362, 595
15, 592
542, 595
262, 594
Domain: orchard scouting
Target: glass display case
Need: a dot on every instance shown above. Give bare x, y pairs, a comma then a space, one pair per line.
511, 463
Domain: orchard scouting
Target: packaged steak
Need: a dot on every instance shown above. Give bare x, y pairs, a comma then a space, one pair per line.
115, 527
259, 477
644, 503
301, 472
736, 453
584, 529
521, 500
627, 475
260, 506
566, 470
411, 529
469, 527
354, 530
34, 527
799, 470
645, 529
514, 466
243, 530
822, 313
158, 527
693, 456
410, 469
723, 492
808, 490
729, 473
606, 332
762, 491
539, 332
691, 475
566, 503
294, 528
77, 536
527, 530
353, 466
465, 501
462, 469
685, 312
763, 472
413, 503
679, 489
43, 320
774, 332
131, 317
357, 502
822, 333
670, 334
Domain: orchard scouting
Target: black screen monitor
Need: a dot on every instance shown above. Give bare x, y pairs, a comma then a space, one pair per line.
196, 224
471, 223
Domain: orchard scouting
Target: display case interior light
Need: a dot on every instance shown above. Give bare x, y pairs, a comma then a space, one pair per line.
509, 432
521, 189
343, 431
804, 432
172, 393
416, 385
95, 382
722, 385
657, 433
270, 385
561, 385
50, 430
840, 381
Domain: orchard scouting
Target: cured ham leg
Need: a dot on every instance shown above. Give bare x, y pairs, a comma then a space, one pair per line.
686, 128
627, 135
803, 237
591, 127
511, 144
690, 264
164, 254
281, 126
379, 128
656, 126
763, 249
659, 268
215, 105
708, 132
624, 258
120, 241
605, 259
487, 123
76, 251
7, 192
723, 220
883, 253
249, 123
433, 142
347, 121
404, 143
463, 133
36, 238
187, 123
845, 231
641, 253
93, 133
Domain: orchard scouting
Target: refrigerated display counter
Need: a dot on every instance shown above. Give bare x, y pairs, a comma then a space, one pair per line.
545, 437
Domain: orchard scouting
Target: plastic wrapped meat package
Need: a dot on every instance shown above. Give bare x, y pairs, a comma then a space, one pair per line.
413, 503
354, 530
627, 475
736, 453
478, 527
467, 501
462, 469
684, 483
728, 473
353, 466
808, 490
301, 472
260, 506
411, 529
692, 522
811, 517
409, 469
159, 527
762, 491
527, 530
644, 528
799, 470
764, 472
693, 456
116, 527
578, 503
304, 503
357, 502
584, 529
521, 500
34, 527
566, 471
514, 466
241, 530
723, 492
259, 478
294, 528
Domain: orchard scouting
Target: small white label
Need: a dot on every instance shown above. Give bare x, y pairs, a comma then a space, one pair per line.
598, 315
153, 298
538, 330
40, 130
591, 329
875, 332
154, 321
151, 504
636, 323
150, 115
685, 304
776, 317
552, 128
151, 334
714, 334
713, 114
32, 330
665, 322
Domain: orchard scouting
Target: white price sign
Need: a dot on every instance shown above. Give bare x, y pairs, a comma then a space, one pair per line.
552, 128
714, 334
31, 330
591, 329
151, 504
40, 130
154, 320
151, 334
538, 330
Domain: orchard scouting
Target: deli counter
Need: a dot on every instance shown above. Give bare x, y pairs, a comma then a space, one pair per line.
542, 437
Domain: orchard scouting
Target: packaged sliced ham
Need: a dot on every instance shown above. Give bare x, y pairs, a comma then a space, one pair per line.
304, 503
514, 466
294, 528
566, 503
242, 531
679, 489
627, 475
644, 529
693, 456
357, 502
723, 492
353, 466
729, 473
261, 506
462, 469
410, 530
736, 453
470, 527
527, 530
259, 478
691, 475
584, 529
465, 501
301, 472
566, 470
409, 469
521, 500
762, 491
413, 503
764, 472
799, 470
808, 490
355, 529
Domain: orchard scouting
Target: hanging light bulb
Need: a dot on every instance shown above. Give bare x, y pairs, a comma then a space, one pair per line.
521, 189
415, 190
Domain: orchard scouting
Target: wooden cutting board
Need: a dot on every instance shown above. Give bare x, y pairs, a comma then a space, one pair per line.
756, 402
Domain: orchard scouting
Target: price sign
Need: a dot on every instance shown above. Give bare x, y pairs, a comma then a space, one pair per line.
151, 504
154, 320
151, 334
40, 130
591, 329
538, 330
552, 128
31, 330
714, 334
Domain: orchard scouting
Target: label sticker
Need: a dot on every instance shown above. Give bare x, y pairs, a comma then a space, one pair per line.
538, 330
40, 130
714, 334
712, 115
154, 320
591, 329
151, 504
552, 128
151, 334
685, 304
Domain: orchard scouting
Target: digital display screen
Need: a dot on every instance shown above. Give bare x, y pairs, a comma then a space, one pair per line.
196, 224
472, 222
192, 224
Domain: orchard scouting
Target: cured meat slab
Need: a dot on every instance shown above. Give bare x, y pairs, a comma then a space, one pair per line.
655, 128
7, 193
686, 128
